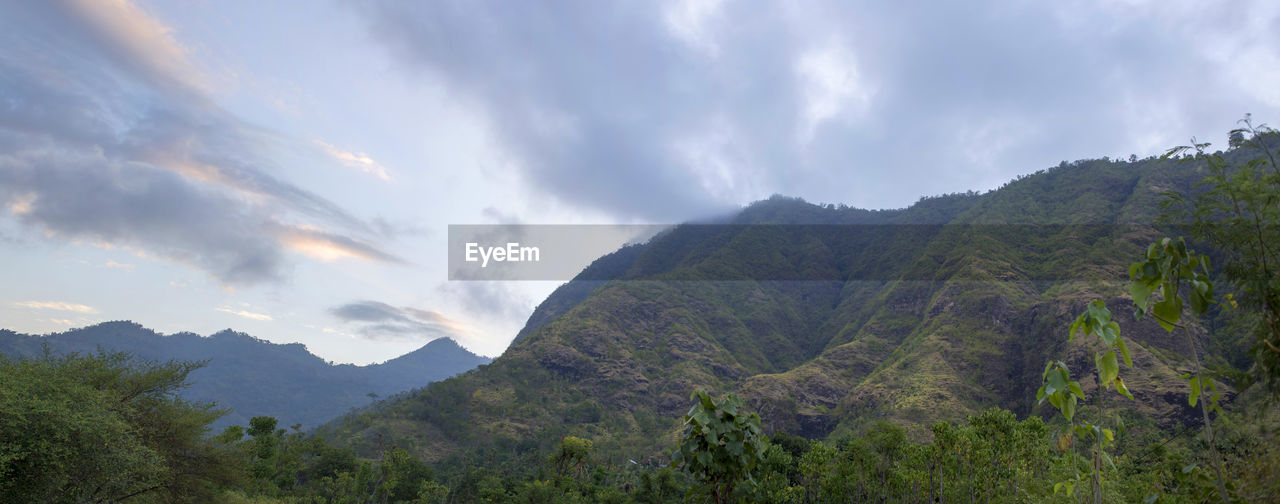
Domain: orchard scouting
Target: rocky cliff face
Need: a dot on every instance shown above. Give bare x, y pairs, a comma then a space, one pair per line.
842, 317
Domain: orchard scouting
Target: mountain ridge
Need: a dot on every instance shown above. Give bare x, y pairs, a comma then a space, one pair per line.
255, 377
927, 313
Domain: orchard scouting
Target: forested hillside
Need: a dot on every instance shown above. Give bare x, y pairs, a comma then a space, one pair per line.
844, 316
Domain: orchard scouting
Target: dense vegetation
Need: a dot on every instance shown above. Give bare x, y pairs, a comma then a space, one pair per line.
103, 428
887, 366
250, 376
934, 312
910, 327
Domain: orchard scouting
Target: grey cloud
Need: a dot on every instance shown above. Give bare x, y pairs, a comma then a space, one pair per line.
589, 113
94, 199
488, 300
499, 217
228, 153
609, 107
380, 321
395, 228
106, 141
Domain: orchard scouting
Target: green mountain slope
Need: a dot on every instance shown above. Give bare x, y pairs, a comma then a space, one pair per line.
846, 316
254, 377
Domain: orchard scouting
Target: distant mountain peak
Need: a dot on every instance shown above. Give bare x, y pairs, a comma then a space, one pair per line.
257, 377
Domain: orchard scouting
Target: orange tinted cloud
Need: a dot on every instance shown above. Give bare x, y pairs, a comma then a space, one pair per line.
327, 246
56, 305
358, 160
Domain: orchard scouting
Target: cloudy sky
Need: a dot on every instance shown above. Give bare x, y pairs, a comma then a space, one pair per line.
290, 169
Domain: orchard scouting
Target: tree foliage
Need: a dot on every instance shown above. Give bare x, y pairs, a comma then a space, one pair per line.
105, 428
720, 445
1063, 394
1236, 209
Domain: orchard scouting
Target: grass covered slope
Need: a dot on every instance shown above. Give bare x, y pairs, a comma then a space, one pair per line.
931, 312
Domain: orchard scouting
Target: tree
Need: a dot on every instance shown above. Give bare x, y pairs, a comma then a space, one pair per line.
1236, 208
1063, 393
571, 457
1155, 284
106, 428
721, 444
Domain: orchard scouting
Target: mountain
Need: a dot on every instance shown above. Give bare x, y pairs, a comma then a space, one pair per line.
255, 377
823, 318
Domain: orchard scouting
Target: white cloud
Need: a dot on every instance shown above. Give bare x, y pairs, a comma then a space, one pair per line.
244, 313
139, 40
830, 85
56, 305
719, 162
688, 20
358, 160
116, 265
1257, 70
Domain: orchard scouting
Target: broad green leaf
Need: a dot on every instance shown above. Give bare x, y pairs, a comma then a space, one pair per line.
1120, 387
1124, 352
1110, 333
1092, 308
1075, 389
1198, 303
706, 401
1058, 381
1140, 294
734, 449
1195, 391
1108, 368
1167, 311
